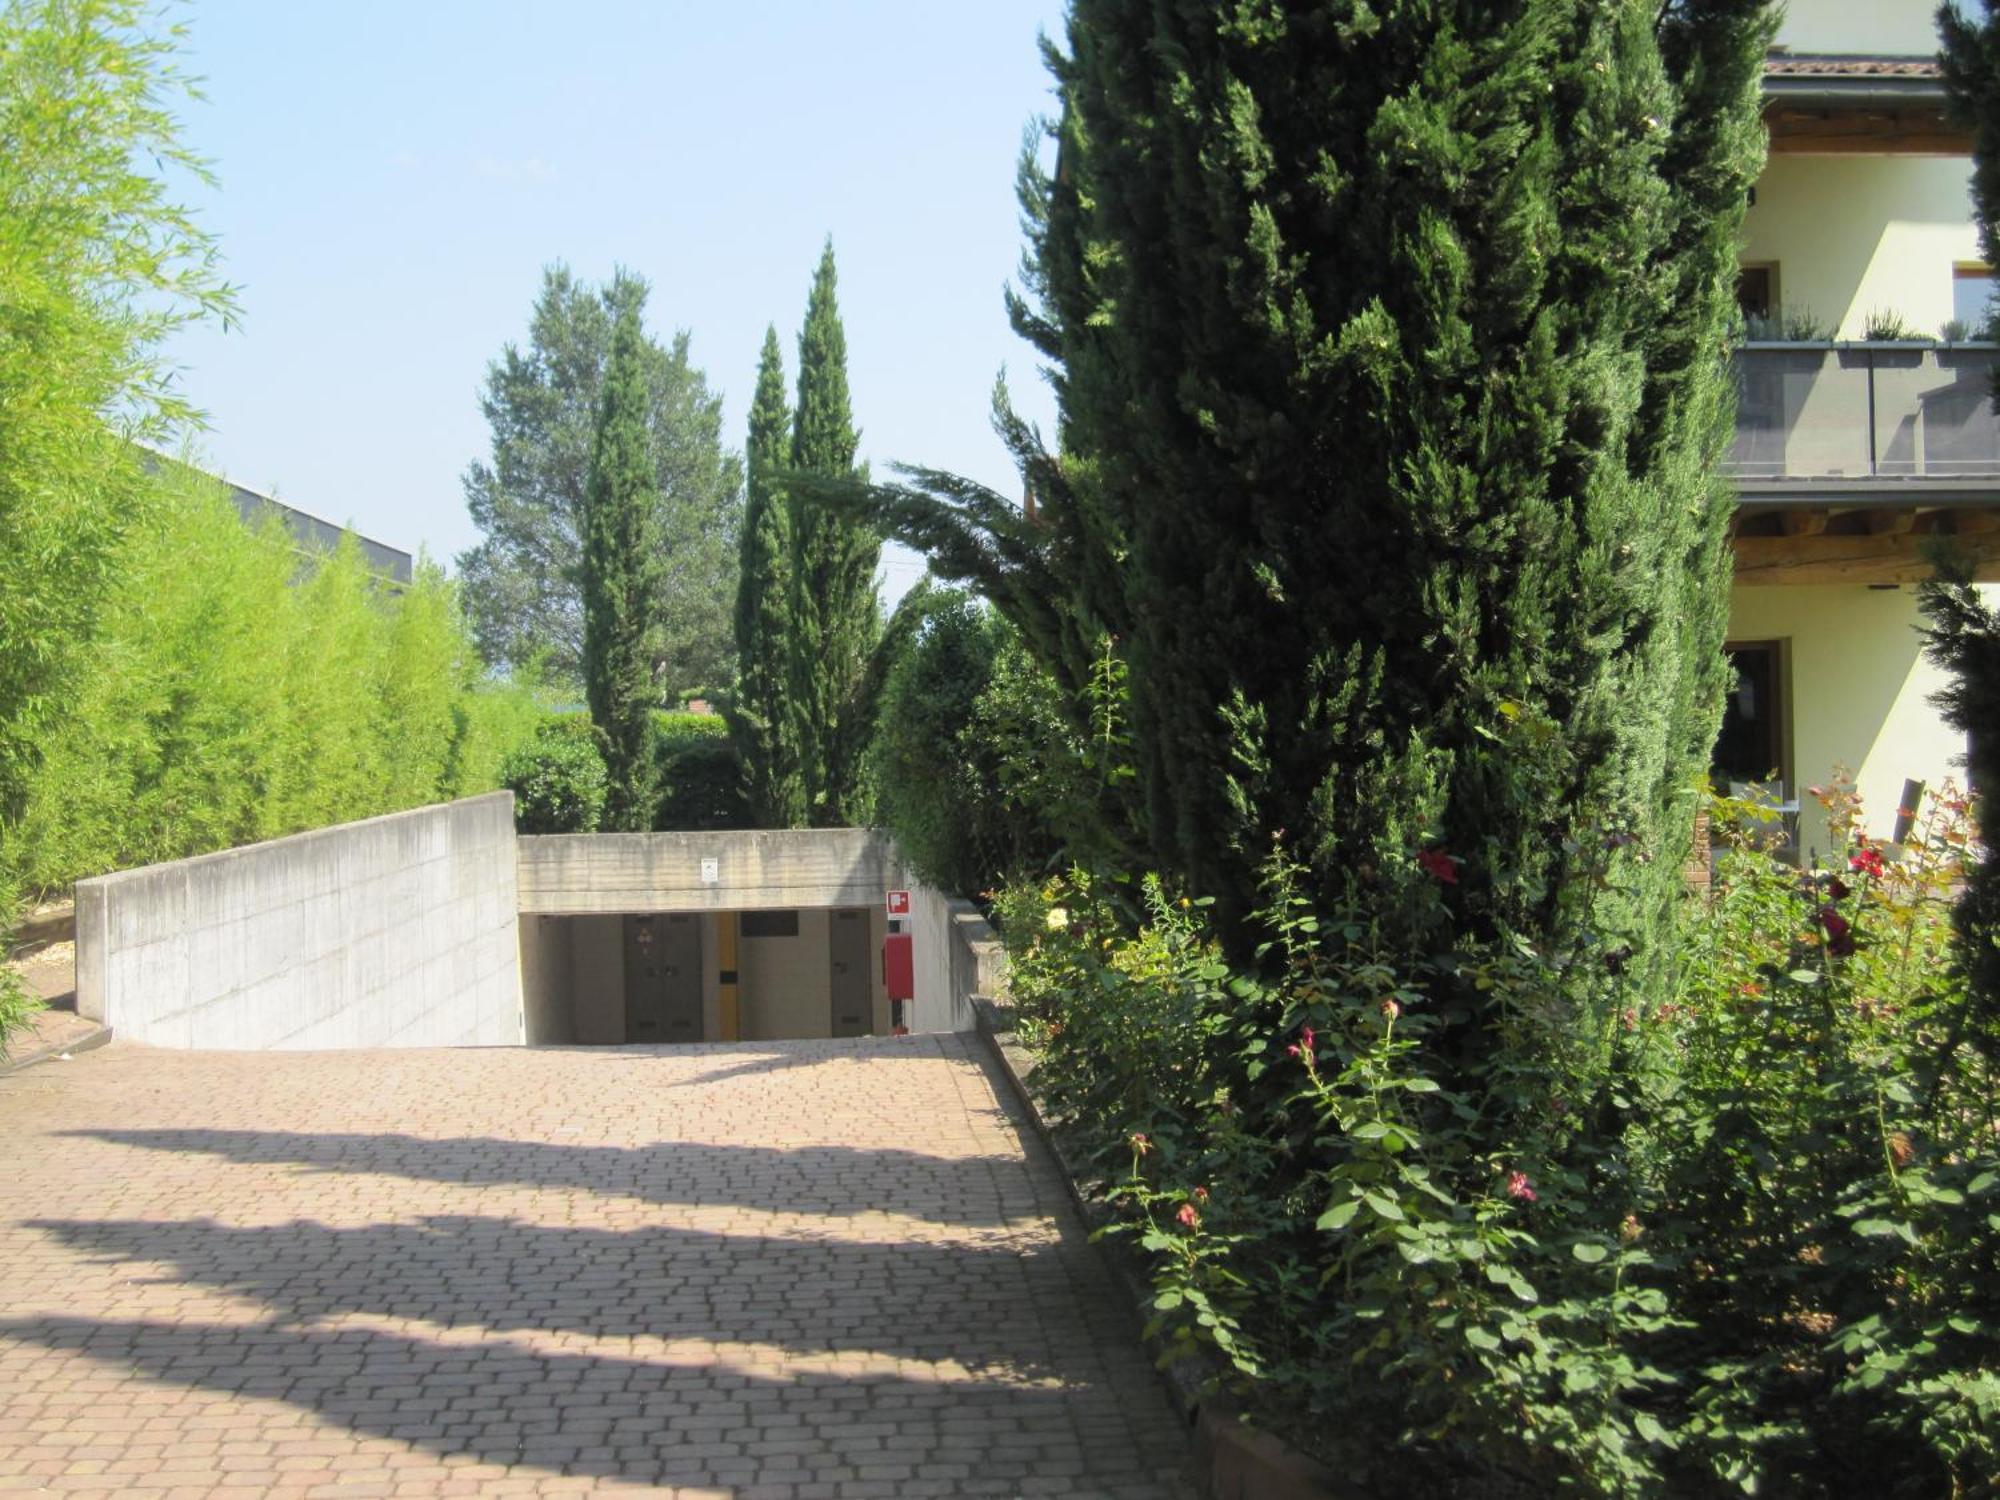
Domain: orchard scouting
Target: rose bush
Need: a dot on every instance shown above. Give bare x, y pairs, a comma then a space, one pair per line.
1742, 1243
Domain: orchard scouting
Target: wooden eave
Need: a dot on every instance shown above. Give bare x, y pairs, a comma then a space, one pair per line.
1878, 537
1915, 131
1859, 106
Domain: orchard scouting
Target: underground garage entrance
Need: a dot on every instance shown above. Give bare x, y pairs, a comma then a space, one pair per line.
441, 927
690, 976
729, 936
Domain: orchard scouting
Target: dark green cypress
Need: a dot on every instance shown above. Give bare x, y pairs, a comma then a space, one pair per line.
836, 616
1963, 638
1390, 347
1970, 57
621, 564
1964, 635
758, 711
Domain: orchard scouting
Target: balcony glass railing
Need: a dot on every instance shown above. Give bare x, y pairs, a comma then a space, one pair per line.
1865, 411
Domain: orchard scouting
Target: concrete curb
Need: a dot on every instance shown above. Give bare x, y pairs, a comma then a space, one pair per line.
90, 1041
1233, 1461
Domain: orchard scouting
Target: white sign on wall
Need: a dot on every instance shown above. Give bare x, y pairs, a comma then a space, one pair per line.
711, 871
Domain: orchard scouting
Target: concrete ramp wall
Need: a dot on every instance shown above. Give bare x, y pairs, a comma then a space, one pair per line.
400, 931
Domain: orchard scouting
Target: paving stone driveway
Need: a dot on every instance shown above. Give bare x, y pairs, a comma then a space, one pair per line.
784, 1269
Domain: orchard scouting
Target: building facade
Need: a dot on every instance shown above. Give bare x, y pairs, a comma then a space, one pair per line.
1865, 429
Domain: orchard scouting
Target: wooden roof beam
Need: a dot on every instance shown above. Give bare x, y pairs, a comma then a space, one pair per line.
1890, 558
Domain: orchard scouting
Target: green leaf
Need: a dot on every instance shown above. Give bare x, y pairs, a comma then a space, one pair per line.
1421, 1085
1481, 1338
1340, 1215
1588, 1251
1387, 1208
1885, 1228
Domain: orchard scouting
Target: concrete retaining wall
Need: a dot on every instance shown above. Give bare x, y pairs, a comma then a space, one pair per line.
399, 931
571, 874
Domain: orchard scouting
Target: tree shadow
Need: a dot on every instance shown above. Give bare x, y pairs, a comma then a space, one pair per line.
977, 1306
975, 1192
505, 1402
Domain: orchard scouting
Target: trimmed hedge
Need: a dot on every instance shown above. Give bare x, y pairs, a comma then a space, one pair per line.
701, 779
558, 779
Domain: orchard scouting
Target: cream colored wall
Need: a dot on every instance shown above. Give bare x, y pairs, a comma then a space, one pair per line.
1854, 234
1897, 27
1858, 690
786, 989
878, 929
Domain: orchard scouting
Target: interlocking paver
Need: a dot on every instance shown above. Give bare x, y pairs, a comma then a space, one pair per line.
797, 1269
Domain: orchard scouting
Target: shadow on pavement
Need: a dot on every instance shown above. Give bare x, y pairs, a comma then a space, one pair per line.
652, 1422
839, 1180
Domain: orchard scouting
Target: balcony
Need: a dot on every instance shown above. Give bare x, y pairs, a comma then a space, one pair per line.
1871, 415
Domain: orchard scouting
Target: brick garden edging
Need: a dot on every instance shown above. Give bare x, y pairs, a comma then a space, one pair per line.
1236, 1461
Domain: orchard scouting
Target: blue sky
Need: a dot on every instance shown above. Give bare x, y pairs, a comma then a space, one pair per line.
394, 177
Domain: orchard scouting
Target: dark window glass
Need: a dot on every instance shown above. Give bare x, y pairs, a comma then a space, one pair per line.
770, 924
1754, 292
1750, 747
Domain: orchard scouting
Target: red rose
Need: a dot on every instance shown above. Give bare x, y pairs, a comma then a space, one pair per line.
1439, 866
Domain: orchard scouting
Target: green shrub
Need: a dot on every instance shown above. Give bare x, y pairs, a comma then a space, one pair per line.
1759, 1252
558, 779
700, 776
235, 690
970, 749
16, 1003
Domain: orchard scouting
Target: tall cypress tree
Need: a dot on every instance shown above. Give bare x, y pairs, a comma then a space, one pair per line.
758, 711
621, 564
521, 582
836, 616
1390, 347
1964, 635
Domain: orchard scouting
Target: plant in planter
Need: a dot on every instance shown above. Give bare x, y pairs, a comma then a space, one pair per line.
1793, 325
1886, 326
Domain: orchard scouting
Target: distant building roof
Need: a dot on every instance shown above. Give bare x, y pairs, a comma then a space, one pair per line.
1888, 95
1848, 65
310, 532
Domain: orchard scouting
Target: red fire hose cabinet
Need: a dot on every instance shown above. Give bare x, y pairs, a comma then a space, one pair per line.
899, 968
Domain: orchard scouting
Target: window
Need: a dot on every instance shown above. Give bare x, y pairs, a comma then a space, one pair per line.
770, 924
1751, 747
1972, 298
1757, 292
